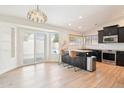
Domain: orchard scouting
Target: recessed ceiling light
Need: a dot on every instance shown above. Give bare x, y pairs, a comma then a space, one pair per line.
80, 17
69, 24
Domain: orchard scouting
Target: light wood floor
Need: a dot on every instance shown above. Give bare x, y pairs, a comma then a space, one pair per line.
54, 75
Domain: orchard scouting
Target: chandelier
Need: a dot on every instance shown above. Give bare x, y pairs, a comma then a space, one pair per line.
37, 16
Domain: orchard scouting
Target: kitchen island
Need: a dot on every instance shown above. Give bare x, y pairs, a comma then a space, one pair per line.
81, 50
81, 58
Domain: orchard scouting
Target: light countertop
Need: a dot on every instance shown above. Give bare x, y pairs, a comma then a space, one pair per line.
77, 50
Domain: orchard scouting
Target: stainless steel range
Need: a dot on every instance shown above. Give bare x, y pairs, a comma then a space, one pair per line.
109, 57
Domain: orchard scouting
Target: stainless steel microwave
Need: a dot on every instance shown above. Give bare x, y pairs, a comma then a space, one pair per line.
110, 39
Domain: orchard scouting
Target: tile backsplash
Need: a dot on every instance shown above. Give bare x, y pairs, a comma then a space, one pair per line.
110, 46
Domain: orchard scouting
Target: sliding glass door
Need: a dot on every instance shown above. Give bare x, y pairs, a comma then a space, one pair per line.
28, 48
40, 46
34, 47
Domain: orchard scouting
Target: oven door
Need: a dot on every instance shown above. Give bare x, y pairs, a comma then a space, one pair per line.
109, 58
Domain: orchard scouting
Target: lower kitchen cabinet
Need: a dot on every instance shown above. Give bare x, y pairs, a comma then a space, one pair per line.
120, 58
98, 54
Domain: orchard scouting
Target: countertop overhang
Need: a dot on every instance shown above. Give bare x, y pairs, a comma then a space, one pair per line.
83, 51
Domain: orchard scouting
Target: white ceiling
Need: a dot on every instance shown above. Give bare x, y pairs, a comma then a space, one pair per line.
61, 16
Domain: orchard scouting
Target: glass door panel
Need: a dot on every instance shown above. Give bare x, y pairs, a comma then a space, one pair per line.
54, 46
40, 39
28, 46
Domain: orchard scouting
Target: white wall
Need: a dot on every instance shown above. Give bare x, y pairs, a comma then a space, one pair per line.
7, 62
113, 46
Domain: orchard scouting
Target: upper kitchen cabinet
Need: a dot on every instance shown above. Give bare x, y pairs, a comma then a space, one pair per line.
109, 34
100, 36
121, 35
111, 30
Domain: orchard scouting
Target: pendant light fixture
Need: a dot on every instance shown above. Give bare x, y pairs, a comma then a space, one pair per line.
36, 15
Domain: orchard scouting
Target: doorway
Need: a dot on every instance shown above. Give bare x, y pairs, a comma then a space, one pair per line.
40, 47
34, 47
54, 46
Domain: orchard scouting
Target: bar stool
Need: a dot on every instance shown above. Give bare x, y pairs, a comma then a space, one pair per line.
73, 56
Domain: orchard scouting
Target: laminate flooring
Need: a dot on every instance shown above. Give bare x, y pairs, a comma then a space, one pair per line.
52, 75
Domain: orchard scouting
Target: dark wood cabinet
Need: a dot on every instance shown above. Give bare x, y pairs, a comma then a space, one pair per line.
114, 31
120, 58
105, 32
121, 35
108, 31
111, 31
100, 36
98, 54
